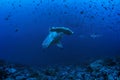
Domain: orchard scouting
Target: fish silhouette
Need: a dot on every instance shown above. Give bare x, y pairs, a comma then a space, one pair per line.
55, 35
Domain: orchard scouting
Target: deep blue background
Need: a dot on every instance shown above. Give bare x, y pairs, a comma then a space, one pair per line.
24, 24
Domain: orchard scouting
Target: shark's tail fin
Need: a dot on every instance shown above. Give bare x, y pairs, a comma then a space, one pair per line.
59, 45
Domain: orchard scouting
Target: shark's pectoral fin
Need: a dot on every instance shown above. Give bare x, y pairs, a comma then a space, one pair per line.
59, 45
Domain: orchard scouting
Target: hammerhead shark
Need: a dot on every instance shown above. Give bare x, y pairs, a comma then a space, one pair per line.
55, 35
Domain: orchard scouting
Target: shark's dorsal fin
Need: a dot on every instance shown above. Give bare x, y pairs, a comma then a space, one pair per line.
58, 44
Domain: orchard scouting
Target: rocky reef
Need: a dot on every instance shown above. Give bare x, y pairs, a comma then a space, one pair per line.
102, 69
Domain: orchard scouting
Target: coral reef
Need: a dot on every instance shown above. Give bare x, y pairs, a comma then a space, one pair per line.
102, 69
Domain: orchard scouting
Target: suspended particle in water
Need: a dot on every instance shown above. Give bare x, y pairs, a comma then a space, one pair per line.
16, 30
118, 14
105, 8
81, 12
38, 4
41, 1
33, 1
8, 2
112, 7
103, 18
8, 17
65, 12
66, 6
20, 5
90, 6
92, 17
12, 4
111, 28
49, 13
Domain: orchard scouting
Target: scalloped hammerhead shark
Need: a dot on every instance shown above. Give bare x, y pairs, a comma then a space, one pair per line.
55, 35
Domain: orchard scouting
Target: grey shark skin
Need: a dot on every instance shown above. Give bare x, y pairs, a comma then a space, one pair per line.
55, 35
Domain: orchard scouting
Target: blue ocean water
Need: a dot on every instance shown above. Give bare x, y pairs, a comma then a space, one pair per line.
24, 24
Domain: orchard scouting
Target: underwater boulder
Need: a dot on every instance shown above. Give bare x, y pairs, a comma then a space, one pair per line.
97, 65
